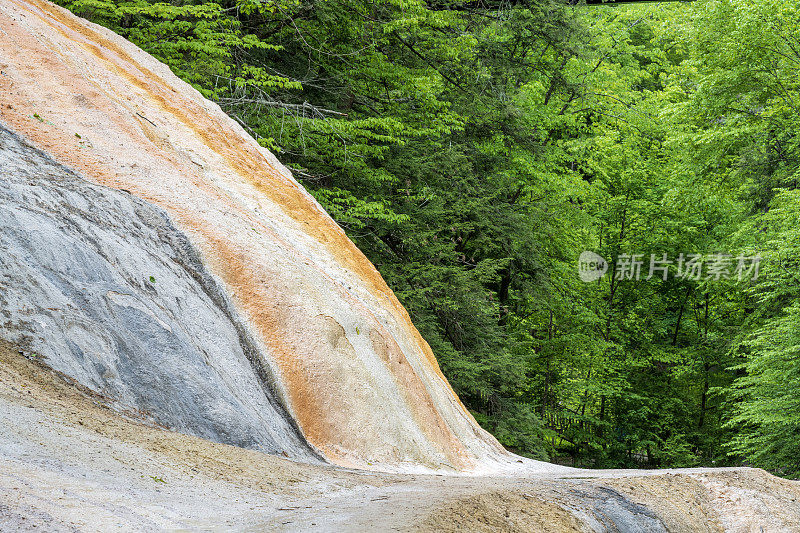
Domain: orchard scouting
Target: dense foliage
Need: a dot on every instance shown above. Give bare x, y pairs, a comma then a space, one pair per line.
473, 150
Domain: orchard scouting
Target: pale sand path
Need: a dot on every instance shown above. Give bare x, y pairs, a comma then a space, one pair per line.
69, 462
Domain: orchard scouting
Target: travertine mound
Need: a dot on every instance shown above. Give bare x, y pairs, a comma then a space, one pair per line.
345, 361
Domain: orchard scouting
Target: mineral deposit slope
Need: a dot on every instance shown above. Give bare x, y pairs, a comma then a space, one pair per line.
348, 365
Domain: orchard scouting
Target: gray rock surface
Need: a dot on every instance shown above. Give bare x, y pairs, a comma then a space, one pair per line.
103, 288
605, 509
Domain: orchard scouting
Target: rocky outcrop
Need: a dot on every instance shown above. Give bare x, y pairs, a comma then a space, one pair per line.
316, 320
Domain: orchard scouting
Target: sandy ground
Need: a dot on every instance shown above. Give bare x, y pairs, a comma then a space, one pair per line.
69, 461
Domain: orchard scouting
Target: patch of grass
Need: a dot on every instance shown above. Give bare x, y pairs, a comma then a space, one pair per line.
31, 356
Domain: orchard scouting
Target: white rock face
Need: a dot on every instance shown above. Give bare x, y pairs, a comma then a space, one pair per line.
348, 365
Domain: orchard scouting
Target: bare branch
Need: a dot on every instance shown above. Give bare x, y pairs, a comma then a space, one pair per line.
305, 106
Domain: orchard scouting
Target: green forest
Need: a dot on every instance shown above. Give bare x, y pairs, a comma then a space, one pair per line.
475, 150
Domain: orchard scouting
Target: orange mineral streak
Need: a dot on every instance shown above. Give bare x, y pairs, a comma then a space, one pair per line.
99, 105
266, 303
